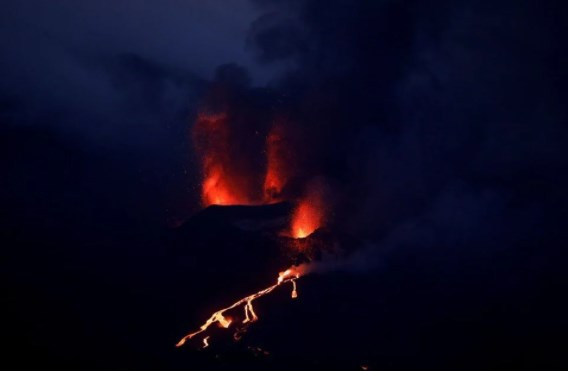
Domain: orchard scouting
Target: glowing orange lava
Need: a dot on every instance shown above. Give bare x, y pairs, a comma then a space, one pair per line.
216, 190
307, 217
206, 342
309, 212
222, 184
289, 275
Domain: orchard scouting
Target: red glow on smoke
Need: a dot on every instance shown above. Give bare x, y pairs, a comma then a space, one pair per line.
308, 215
277, 162
222, 183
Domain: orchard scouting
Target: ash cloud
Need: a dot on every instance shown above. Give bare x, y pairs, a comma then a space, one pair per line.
393, 103
440, 125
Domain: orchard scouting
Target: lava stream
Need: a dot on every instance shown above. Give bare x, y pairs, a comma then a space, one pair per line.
289, 275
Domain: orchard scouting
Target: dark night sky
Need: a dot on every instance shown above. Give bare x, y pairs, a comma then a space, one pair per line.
441, 128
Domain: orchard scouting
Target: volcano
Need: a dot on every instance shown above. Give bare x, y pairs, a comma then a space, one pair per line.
234, 251
253, 237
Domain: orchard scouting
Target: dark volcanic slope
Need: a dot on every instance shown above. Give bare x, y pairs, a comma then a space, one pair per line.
432, 308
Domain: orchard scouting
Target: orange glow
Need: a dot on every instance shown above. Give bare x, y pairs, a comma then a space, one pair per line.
227, 181
277, 163
294, 291
306, 219
309, 212
289, 275
216, 190
222, 184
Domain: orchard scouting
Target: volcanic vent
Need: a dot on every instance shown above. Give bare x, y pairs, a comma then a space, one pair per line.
270, 205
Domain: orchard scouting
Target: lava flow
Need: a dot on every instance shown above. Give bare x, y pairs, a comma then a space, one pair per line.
289, 275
